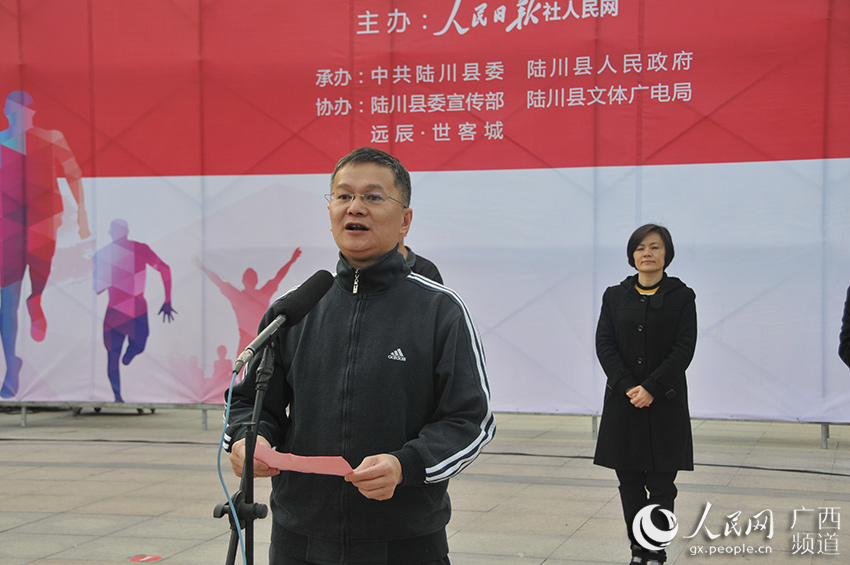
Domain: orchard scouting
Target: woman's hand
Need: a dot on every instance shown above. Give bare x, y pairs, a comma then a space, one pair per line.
640, 397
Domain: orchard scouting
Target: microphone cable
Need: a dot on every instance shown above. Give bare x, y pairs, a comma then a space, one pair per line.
221, 475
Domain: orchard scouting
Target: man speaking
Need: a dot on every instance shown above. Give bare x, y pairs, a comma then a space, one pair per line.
387, 371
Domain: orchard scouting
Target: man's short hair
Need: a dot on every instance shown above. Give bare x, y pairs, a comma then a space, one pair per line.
371, 155
639, 234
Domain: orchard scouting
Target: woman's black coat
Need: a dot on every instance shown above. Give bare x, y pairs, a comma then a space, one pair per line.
646, 340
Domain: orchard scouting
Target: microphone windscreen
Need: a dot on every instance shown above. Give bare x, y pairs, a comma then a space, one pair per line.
300, 301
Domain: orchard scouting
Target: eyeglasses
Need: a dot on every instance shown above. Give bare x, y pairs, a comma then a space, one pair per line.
371, 199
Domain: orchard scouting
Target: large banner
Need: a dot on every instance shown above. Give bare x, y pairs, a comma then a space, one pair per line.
164, 161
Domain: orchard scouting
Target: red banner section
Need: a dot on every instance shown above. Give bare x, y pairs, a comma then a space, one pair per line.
181, 87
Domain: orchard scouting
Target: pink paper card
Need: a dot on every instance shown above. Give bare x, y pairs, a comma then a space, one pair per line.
288, 462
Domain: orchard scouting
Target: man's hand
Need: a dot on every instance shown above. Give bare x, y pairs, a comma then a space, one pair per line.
377, 476
640, 397
237, 460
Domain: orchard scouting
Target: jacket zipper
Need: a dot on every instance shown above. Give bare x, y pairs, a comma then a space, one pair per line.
356, 280
346, 408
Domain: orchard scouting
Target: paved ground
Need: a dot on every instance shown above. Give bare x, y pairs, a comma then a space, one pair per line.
109, 487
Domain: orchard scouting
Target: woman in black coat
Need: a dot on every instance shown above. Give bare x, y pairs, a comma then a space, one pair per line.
844, 336
645, 340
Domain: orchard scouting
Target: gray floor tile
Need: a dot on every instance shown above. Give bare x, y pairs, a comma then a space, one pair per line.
105, 487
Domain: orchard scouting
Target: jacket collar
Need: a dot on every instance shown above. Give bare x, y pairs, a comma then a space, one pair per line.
388, 271
668, 284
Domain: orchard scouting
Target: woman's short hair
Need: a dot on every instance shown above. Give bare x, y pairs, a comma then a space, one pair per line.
639, 234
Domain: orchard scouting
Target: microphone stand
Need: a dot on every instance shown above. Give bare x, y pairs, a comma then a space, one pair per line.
243, 501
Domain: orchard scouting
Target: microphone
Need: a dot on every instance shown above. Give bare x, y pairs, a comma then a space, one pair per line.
289, 310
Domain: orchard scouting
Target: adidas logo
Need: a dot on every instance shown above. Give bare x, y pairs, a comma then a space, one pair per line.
397, 355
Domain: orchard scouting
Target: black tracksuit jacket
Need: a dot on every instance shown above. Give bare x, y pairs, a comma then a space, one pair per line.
387, 362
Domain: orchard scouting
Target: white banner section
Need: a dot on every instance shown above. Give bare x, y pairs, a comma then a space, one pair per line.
765, 246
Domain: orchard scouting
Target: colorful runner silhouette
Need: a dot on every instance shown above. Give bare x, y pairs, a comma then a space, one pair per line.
30, 215
250, 303
221, 377
120, 268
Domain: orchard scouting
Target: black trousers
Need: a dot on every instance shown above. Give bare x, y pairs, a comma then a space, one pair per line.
421, 551
281, 560
639, 488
